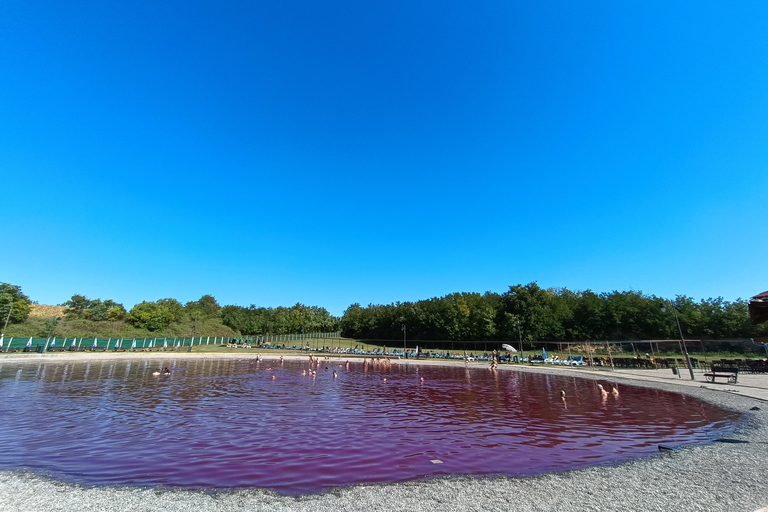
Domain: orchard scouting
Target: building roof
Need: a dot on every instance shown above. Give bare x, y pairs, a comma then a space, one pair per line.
758, 308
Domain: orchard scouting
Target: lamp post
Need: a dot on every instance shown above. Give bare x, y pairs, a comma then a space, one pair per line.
520, 336
683, 348
194, 328
404, 332
8, 317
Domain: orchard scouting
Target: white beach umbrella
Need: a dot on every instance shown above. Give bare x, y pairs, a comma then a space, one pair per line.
508, 347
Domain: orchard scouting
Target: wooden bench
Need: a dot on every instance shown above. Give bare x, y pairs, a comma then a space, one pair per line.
730, 373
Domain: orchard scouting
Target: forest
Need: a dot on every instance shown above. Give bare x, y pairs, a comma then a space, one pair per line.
523, 312
530, 313
81, 316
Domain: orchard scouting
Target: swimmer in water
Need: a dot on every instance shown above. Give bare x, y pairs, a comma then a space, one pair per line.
614, 391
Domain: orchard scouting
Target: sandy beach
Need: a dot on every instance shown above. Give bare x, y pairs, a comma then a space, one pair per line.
727, 475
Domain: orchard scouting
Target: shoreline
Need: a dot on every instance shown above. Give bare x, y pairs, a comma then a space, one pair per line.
722, 475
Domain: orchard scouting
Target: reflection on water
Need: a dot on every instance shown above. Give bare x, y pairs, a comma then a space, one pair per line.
226, 423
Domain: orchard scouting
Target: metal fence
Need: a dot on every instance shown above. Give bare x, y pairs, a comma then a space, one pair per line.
40, 345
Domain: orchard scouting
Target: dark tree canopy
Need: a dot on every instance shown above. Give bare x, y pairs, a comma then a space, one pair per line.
281, 320
526, 312
536, 314
79, 306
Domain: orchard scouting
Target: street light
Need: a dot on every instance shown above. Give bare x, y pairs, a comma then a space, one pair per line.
683, 348
404, 332
194, 328
520, 335
6, 321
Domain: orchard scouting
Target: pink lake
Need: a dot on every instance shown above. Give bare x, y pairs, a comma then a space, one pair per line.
223, 424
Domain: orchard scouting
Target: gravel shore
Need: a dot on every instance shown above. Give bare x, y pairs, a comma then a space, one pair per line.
729, 475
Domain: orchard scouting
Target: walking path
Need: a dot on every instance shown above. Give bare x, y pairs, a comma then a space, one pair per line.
751, 385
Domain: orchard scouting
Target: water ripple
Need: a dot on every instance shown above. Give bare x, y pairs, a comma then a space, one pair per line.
231, 424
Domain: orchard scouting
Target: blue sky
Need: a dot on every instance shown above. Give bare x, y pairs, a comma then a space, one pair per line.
337, 152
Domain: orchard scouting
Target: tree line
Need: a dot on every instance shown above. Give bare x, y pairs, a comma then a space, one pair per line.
160, 315
531, 313
157, 315
281, 320
526, 312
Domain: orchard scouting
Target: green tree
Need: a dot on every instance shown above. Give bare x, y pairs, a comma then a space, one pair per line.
79, 306
588, 319
353, 321
736, 321
172, 308
115, 311
13, 302
150, 315
540, 312
48, 327
279, 320
205, 307
99, 311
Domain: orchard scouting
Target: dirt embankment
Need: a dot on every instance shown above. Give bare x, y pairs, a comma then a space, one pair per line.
43, 311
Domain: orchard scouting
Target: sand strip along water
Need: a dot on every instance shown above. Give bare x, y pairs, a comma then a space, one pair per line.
727, 475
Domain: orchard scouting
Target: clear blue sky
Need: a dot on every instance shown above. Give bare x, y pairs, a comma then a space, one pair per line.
342, 151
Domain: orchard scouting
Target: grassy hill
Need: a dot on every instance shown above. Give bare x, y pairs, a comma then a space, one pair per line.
35, 325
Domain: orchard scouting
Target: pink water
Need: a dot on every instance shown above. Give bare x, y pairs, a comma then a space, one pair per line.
228, 424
